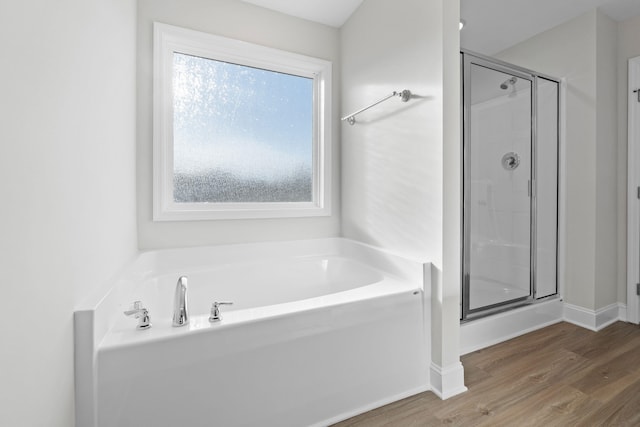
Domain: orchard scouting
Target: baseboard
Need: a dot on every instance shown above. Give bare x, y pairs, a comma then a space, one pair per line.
448, 381
622, 312
485, 332
594, 320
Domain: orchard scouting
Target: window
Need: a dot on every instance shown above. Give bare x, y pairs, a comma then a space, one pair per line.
240, 130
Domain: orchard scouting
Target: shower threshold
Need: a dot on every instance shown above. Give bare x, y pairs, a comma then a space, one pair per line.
496, 327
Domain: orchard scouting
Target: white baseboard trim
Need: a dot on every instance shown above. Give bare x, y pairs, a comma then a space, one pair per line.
622, 312
447, 381
594, 320
485, 332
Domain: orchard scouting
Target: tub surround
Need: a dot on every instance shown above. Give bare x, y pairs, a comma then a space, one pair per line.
359, 345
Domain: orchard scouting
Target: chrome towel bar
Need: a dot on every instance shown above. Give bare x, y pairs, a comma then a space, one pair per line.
405, 95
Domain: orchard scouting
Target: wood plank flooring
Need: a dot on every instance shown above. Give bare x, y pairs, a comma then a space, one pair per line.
562, 375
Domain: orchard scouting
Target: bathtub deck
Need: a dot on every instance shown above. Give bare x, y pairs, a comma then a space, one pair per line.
557, 376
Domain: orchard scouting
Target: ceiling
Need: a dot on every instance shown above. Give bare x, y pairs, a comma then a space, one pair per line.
494, 25
491, 25
328, 12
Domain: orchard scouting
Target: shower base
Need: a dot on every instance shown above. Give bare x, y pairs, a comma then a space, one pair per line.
494, 329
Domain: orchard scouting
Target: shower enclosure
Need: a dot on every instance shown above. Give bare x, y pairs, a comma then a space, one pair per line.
510, 180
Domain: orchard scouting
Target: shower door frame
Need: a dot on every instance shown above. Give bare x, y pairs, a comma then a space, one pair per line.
466, 59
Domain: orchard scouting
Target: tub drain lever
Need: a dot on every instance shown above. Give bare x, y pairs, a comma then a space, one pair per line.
215, 311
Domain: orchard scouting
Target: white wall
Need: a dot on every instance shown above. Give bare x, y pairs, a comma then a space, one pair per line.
242, 21
67, 185
580, 52
392, 157
607, 205
445, 305
628, 47
398, 158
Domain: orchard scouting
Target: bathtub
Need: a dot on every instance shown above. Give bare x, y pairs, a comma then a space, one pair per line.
319, 331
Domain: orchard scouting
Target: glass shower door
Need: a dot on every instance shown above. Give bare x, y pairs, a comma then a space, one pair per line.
498, 166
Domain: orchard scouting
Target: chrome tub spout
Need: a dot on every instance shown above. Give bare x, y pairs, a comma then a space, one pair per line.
180, 313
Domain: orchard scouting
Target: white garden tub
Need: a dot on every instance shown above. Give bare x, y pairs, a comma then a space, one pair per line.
320, 330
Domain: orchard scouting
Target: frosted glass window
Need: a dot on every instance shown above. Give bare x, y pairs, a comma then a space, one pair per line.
240, 134
240, 130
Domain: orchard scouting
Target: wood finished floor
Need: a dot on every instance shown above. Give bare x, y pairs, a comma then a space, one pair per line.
562, 375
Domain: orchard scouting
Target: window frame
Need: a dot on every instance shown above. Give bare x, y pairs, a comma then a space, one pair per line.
169, 39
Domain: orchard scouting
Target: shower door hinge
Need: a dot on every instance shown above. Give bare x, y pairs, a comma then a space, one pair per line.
638, 192
637, 288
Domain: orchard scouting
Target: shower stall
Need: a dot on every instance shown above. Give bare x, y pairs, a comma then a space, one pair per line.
510, 186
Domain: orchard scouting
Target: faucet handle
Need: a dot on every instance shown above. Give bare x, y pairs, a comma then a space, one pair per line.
139, 312
215, 310
136, 308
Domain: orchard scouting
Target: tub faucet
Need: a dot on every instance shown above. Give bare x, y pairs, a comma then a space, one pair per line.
180, 313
